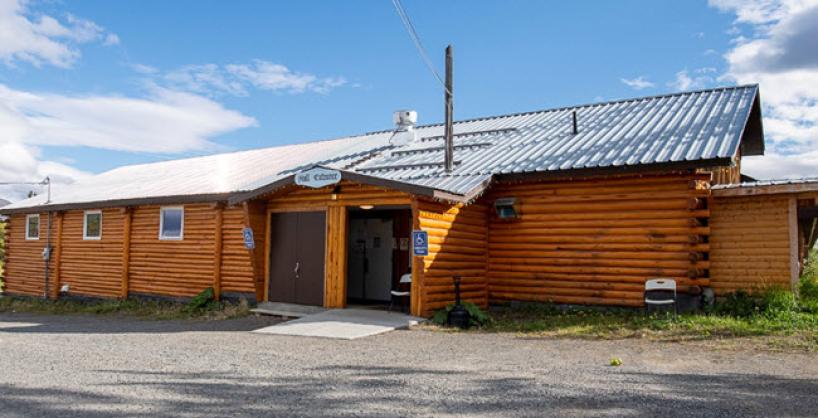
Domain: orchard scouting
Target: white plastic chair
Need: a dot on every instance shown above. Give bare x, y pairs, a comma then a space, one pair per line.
406, 278
656, 293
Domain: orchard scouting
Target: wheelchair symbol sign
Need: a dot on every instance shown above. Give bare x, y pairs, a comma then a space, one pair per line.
420, 243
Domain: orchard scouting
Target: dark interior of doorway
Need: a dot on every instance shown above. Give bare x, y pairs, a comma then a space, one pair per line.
378, 255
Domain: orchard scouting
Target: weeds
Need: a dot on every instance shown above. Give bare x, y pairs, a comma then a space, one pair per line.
782, 318
142, 309
477, 316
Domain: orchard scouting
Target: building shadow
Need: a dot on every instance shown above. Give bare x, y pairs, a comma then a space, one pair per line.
105, 324
405, 390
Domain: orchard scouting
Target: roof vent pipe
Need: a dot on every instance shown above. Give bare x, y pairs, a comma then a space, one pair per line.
574, 117
449, 148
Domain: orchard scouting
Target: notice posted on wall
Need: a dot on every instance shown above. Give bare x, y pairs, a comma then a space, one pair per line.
420, 243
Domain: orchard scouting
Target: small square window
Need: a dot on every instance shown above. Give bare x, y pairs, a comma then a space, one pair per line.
171, 223
32, 226
506, 208
92, 226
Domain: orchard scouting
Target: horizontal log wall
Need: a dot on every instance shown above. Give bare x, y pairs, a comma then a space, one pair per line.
457, 246
24, 272
597, 241
237, 265
181, 268
92, 267
297, 198
750, 243
255, 213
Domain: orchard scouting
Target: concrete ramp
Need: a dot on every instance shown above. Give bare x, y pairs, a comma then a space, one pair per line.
345, 324
290, 310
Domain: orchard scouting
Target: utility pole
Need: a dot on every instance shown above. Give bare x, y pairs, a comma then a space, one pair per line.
449, 130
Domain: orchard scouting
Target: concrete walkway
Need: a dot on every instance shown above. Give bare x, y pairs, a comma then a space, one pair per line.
345, 324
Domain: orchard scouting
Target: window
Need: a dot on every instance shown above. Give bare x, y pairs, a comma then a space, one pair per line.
92, 226
32, 226
171, 223
506, 208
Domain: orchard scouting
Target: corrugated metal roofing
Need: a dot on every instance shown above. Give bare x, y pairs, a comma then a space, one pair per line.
762, 183
684, 127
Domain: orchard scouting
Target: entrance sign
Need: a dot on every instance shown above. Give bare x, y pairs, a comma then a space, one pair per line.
420, 243
317, 177
249, 243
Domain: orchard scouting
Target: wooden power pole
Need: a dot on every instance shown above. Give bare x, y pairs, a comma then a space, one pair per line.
449, 130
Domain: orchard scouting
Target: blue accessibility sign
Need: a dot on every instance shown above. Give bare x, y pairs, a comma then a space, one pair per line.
249, 243
420, 243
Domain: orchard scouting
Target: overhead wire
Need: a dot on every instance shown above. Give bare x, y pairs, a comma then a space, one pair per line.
410, 28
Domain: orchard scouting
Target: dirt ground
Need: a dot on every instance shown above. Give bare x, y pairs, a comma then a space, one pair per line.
109, 366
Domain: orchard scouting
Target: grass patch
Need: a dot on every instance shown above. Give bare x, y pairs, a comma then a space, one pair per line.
774, 316
141, 309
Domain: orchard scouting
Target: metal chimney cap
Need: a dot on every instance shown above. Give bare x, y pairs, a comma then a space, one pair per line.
405, 119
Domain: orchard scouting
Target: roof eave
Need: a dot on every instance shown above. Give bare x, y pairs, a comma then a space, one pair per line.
651, 168
162, 200
410, 188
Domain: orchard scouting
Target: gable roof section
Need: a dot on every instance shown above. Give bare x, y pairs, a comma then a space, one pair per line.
690, 129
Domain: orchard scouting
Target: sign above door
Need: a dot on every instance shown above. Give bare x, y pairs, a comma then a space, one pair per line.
317, 177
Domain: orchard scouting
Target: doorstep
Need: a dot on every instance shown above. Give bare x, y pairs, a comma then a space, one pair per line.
345, 324
290, 310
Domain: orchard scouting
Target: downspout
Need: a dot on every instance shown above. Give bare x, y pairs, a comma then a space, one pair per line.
47, 254
47, 250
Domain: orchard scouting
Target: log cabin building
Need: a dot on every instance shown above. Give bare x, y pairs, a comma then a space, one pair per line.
574, 205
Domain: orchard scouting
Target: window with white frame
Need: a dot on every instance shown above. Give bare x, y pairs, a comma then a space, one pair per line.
33, 226
172, 223
92, 225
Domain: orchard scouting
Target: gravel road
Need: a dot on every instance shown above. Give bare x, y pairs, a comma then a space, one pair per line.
93, 366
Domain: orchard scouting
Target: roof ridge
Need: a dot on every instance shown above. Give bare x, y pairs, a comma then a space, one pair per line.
483, 118
592, 104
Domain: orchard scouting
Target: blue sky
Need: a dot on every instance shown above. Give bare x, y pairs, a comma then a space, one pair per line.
89, 86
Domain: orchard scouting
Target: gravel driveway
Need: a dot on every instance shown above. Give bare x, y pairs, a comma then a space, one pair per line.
93, 366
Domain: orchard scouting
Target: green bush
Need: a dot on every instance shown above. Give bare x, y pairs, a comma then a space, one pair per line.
204, 300
808, 286
771, 301
477, 317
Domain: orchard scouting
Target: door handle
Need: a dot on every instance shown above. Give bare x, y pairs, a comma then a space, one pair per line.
296, 269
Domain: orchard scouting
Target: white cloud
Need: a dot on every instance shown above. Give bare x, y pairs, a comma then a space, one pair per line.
637, 83
699, 80
781, 57
111, 39
237, 79
144, 69
205, 79
164, 121
43, 39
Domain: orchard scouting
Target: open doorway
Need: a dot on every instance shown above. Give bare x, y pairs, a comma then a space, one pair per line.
378, 255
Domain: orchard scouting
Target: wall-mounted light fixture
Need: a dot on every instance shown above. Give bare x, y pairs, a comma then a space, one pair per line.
366, 207
506, 208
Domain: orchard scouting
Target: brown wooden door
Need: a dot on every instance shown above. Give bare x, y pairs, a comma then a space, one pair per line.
310, 247
297, 244
283, 233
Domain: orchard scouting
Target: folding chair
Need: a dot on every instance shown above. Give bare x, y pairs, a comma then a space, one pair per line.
405, 281
660, 292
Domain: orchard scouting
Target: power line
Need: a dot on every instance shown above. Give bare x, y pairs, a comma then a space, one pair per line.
410, 28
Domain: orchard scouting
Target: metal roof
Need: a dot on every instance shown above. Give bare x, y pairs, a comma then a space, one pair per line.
761, 187
701, 128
